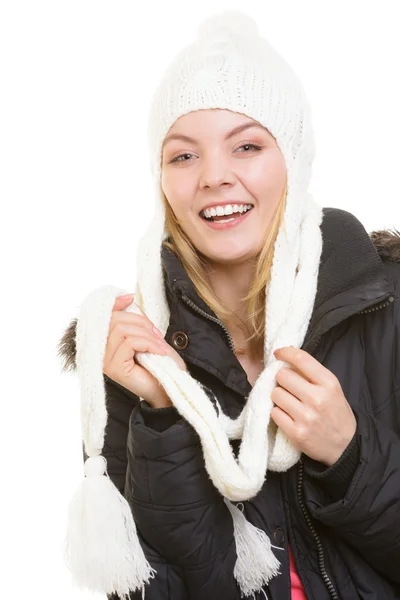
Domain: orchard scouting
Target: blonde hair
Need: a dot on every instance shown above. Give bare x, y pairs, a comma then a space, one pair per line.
196, 267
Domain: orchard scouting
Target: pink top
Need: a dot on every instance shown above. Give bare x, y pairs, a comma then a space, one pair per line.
296, 585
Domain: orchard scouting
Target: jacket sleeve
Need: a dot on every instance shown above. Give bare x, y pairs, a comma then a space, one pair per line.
367, 516
182, 521
335, 480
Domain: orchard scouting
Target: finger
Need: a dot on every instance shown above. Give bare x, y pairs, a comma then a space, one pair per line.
122, 331
292, 381
122, 302
288, 403
130, 319
126, 351
283, 421
305, 364
142, 345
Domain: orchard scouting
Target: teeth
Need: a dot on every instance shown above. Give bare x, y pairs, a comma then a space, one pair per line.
226, 220
228, 209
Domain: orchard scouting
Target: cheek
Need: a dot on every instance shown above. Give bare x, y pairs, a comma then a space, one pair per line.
266, 177
173, 192
178, 194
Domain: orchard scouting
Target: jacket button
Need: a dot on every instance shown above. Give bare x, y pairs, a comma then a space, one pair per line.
279, 536
180, 340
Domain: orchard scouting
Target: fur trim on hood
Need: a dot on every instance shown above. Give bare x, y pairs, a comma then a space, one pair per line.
387, 243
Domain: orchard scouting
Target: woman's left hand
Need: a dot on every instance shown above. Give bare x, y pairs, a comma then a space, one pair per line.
311, 408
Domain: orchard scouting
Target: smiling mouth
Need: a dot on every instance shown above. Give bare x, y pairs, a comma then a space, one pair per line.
232, 214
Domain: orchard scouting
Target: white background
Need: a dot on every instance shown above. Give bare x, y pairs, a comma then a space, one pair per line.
76, 79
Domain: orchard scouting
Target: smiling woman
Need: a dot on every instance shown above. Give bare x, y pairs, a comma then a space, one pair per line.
254, 452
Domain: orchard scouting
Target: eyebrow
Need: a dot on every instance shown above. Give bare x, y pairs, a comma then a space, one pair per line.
186, 138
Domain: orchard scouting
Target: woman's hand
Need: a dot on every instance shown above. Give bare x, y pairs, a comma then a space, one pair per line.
311, 408
130, 333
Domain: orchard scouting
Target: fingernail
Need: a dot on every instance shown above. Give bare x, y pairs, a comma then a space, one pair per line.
126, 296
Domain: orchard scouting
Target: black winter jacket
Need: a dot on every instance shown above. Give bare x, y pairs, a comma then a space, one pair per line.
342, 522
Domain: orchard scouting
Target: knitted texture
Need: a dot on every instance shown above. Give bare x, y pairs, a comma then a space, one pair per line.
229, 66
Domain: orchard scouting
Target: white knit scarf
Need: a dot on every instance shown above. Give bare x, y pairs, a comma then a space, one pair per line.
102, 548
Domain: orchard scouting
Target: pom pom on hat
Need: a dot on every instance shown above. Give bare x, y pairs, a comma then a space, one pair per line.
227, 24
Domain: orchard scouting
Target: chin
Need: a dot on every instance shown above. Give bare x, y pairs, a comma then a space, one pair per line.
230, 254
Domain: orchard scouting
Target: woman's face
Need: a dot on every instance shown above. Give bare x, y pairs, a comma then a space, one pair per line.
208, 165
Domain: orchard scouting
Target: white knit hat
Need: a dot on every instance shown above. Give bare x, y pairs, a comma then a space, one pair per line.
229, 66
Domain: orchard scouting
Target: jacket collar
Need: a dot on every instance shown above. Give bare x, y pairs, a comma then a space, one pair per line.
351, 278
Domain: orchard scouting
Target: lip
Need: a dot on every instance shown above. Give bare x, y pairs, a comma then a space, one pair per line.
225, 203
234, 223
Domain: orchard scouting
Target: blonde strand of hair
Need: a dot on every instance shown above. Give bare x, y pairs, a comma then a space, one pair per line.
196, 268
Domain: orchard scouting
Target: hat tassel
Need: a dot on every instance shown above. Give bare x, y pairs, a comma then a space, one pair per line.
256, 564
102, 548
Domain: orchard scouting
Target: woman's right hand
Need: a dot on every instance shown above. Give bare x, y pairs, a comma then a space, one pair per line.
130, 333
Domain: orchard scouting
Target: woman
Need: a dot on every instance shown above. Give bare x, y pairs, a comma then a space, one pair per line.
240, 273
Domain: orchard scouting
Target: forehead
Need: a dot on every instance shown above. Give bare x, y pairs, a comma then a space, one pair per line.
192, 126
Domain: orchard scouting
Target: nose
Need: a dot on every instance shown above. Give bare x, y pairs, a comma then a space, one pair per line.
215, 172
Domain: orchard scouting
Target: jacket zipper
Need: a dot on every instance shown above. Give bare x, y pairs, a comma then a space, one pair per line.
194, 306
321, 555
320, 549
377, 306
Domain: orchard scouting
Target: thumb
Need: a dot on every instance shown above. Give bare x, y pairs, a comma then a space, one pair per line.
122, 302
